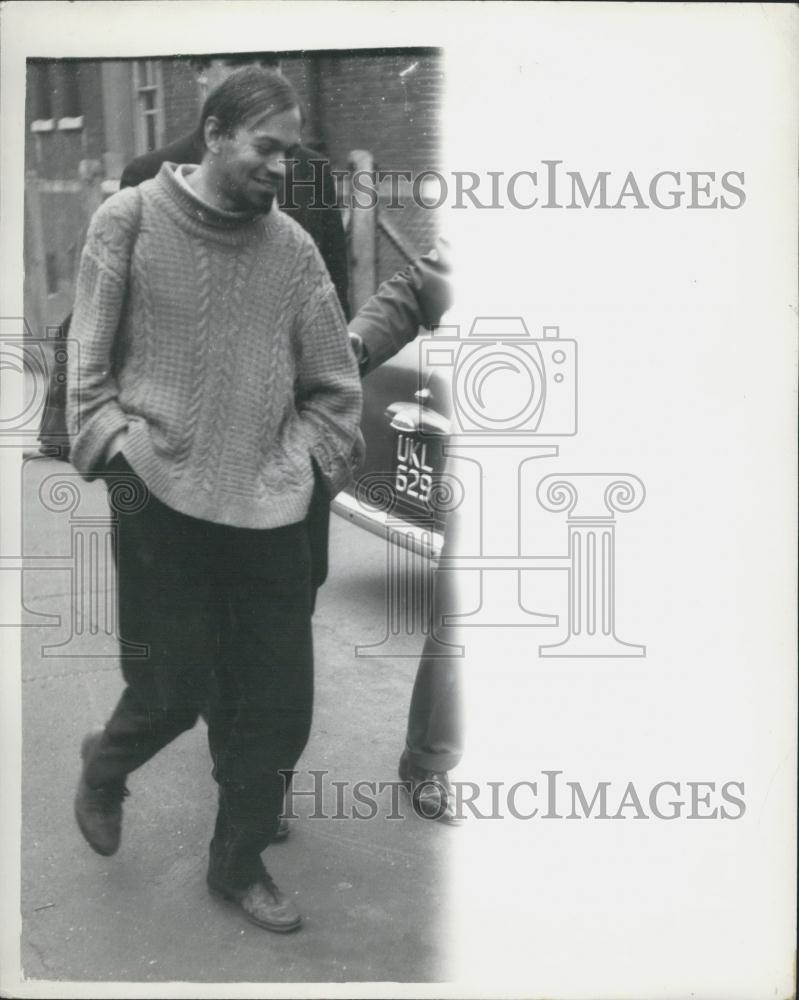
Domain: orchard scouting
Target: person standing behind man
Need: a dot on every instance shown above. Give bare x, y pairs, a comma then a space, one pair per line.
213, 372
417, 297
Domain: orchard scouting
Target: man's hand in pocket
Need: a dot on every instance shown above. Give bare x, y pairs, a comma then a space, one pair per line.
115, 445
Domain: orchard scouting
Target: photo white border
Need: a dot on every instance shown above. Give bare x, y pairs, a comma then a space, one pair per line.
89, 29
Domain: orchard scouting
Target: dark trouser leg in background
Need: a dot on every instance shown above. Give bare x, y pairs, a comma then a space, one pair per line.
434, 739
318, 523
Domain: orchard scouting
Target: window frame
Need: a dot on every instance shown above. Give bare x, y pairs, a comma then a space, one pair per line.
148, 80
42, 81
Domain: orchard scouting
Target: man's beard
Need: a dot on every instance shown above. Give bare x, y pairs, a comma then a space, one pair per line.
263, 203
243, 198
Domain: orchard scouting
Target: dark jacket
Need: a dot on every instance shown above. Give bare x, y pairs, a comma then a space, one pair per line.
309, 198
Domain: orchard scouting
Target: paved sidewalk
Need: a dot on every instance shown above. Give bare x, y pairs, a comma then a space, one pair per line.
371, 892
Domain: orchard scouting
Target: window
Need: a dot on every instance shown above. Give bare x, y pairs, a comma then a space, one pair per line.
42, 87
51, 272
71, 101
149, 104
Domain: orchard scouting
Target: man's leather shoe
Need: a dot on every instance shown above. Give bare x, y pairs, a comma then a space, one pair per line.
282, 830
262, 903
430, 791
98, 810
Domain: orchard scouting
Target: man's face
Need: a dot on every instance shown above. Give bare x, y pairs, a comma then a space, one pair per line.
249, 166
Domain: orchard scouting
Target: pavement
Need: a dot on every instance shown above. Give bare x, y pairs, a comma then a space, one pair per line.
372, 892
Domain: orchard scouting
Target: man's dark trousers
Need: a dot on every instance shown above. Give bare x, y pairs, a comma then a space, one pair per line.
182, 583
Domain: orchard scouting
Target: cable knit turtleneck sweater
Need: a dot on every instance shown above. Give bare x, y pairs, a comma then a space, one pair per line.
217, 341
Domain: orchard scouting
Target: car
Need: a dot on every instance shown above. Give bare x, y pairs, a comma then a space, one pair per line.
497, 379
401, 490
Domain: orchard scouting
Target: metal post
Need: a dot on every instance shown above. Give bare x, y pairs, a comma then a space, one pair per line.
362, 243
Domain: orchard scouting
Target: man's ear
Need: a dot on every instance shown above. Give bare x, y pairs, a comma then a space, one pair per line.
212, 134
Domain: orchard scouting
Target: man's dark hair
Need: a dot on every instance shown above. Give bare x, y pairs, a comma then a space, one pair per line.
268, 60
248, 93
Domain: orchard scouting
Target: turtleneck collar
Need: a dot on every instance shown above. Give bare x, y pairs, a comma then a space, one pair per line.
195, 210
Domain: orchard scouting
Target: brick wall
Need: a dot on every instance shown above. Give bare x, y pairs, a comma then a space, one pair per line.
367, 104
181, 99
298, 69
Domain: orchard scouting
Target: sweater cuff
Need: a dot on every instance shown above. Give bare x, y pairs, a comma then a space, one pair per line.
335, 466
88, 447
335, 475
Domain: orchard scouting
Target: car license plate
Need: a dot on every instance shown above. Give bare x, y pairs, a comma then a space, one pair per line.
413, 476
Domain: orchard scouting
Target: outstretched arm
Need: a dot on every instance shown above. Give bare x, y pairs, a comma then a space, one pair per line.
415, 297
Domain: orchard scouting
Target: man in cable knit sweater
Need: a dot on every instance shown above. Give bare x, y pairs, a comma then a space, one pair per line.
213, 370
